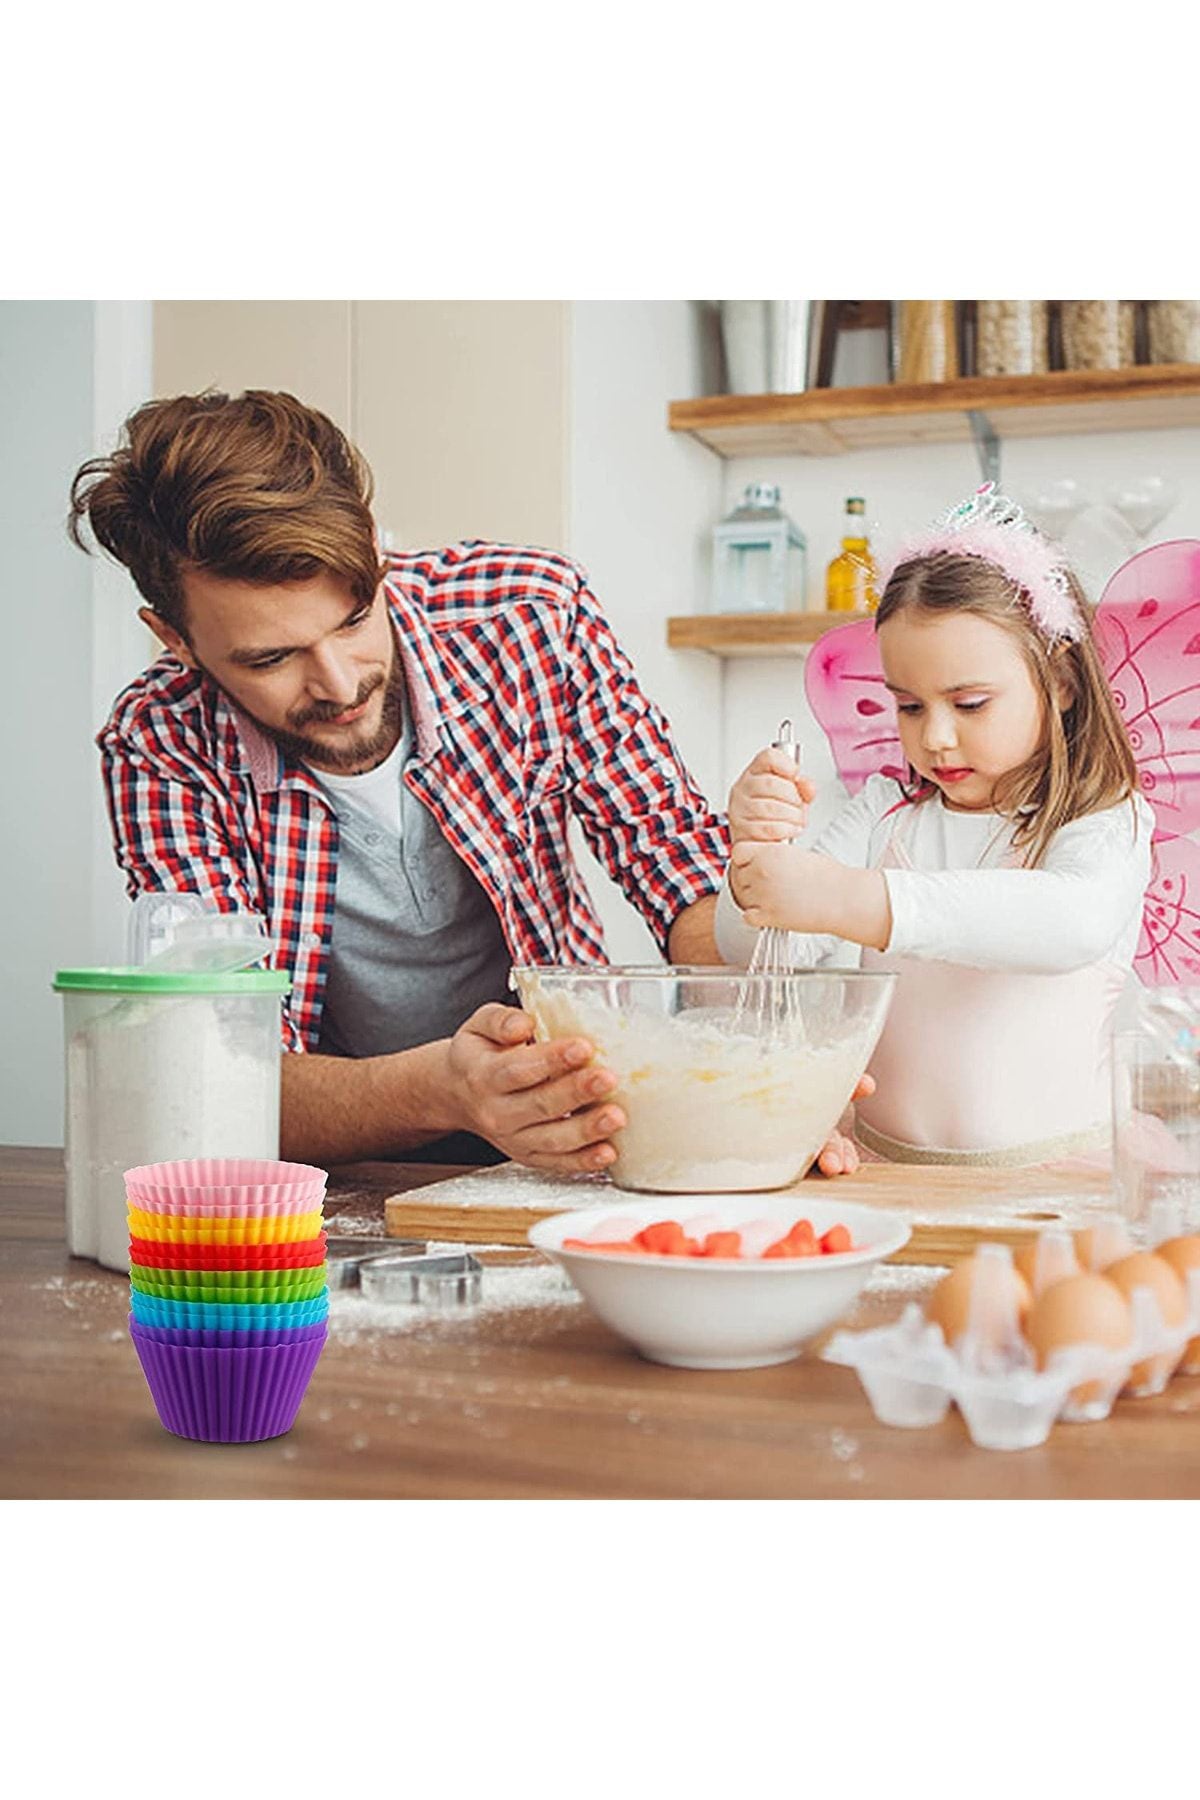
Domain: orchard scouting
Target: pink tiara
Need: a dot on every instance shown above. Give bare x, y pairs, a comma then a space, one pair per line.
995, 529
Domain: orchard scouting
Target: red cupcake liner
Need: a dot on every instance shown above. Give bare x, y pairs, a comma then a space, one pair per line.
152, 1253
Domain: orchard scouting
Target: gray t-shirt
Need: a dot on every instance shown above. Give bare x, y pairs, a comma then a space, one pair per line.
416, 942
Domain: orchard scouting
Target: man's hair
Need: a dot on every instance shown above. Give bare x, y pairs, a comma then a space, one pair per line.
257, 488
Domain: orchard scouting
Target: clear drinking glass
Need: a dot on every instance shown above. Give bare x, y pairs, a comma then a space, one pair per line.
1156, 1115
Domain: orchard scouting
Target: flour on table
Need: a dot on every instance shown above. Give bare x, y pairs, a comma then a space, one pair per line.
513, 1289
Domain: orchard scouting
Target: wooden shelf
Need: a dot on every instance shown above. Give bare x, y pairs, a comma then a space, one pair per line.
828, 421
754, 634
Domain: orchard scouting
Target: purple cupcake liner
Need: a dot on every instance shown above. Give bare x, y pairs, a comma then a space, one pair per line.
230, 1396
195, 1337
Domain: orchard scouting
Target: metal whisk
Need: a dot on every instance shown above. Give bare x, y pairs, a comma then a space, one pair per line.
770, 1005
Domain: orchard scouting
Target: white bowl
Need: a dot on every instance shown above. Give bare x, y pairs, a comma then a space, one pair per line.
717, 1313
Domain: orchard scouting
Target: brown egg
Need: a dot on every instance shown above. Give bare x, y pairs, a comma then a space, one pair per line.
1049, 1258
1102, 1244
1144, 1269
1183, 1253
1083, 1309
949, 1304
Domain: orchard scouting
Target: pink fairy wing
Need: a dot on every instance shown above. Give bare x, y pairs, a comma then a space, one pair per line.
1148, 635
844, 683
1169, 948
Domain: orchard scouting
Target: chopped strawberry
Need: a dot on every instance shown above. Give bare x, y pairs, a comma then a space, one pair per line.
723, 1243
666, 1237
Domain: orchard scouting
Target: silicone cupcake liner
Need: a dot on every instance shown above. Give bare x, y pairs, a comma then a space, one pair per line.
238, 1297
228, 1296
200, 1173
302, 1255
281, 1284
234, 1396
252, 1204
218, 1316
169, 1228
213, 1315
200, 1339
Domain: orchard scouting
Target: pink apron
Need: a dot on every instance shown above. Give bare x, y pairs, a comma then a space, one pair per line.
988, 1066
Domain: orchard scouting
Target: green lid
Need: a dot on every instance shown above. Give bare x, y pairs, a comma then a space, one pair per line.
143, 981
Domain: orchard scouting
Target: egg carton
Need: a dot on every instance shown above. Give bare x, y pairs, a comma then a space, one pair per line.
911, 1376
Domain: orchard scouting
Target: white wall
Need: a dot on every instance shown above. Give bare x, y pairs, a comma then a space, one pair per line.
67, 645
641, 503
45, 822
121, 644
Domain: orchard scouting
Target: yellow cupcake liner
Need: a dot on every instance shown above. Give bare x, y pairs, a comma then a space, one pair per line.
177, 1228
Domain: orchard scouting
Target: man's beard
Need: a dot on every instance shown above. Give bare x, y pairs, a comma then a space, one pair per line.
355, 754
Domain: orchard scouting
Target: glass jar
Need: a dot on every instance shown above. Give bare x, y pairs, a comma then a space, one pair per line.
1011, 337
928, 348
159, 1068
759, 556
1174, 330
1098, 334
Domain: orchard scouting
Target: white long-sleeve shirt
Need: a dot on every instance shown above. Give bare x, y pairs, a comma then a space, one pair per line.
982, 1055
956, 902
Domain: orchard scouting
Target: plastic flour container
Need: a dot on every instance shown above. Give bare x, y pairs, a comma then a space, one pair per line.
161, 1067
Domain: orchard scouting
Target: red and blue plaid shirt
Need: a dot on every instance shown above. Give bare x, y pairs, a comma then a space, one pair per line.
525, 710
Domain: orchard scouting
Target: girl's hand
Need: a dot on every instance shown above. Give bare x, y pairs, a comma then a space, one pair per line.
769, 801
839, 1156
779, 885
802, 890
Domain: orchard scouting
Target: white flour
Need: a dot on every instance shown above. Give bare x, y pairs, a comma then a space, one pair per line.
710, 1110
155, 1081
535, 1285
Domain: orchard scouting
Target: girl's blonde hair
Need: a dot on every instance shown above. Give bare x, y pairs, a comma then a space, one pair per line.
1084, 762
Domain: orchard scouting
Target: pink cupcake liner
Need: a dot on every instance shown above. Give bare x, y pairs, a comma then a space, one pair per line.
237, 1396
249, 1203
240, 1181
227, 1171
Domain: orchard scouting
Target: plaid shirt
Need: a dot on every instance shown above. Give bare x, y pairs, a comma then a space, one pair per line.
525, 710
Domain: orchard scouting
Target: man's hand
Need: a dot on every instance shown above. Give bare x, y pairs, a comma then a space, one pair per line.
768, 803
840, 1155
542, 1104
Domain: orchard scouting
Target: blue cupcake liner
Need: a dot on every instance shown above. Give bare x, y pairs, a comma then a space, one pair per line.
196, 1338
148, 1309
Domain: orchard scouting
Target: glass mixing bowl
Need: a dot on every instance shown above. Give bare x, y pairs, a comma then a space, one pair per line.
730, 1082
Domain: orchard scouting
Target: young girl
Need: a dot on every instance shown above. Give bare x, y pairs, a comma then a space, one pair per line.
1003, 879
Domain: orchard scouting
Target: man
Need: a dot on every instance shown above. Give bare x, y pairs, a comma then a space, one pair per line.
381, 759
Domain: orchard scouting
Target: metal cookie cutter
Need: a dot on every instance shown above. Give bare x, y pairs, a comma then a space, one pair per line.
435, 1279
345, 1256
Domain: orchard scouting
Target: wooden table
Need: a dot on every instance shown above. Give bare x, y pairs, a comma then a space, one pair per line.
541, 1402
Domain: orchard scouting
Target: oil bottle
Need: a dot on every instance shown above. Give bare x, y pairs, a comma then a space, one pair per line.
850, 578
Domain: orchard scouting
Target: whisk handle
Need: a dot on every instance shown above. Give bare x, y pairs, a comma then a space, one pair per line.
786, 741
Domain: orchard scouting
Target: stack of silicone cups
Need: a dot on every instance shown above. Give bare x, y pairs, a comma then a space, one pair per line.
228, 1292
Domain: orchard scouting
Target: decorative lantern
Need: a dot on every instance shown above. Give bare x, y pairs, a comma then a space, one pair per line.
758, 556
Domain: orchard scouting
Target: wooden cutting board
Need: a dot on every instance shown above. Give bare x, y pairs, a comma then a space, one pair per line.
952, 1211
